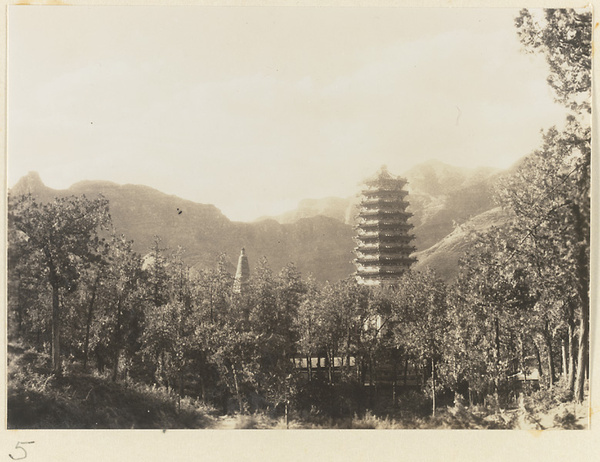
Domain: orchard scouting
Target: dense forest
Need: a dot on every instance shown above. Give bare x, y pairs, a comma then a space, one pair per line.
290, 346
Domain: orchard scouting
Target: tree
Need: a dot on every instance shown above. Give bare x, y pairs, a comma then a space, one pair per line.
305, 324
214, 290
157, 281
29, 309
420, 312
64, 235
344, 329
493, 312
562, 216
289, 292
549, 195
234, 353
172, 316
564, 37
273, 305
182, 319
121, 300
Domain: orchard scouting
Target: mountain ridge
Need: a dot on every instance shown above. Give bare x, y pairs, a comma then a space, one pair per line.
317, 245
318, 237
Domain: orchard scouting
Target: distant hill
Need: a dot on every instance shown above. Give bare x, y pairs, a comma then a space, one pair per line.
317, 236
445, 254
338, 208
318, 245
438, 216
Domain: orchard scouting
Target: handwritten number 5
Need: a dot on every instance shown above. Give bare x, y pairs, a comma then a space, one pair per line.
18, 446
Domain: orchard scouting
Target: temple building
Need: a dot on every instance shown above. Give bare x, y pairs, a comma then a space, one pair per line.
383, 232
242, 275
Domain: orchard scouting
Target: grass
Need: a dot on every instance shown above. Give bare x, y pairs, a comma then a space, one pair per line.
38, 399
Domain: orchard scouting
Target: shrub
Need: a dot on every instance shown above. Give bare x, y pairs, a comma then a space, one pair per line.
258, 421
567, 420
414, 403
318, 398
546, 397
371, 421
460, 417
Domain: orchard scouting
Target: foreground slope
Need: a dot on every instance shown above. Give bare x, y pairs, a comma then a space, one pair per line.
38, 399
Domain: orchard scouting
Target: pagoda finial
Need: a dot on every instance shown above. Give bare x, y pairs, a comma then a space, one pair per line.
384, 172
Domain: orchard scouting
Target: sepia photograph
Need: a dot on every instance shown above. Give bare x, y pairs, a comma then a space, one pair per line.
292, 218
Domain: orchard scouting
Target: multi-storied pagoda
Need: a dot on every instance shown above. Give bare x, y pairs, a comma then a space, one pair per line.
383, 232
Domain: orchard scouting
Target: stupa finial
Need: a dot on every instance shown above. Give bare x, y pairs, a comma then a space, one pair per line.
242, 275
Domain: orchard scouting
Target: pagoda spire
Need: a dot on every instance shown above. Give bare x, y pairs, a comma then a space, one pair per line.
242, 275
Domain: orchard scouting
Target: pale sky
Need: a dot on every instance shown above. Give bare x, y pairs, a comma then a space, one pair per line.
253, 108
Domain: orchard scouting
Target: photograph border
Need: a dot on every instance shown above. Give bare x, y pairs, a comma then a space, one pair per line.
304, 445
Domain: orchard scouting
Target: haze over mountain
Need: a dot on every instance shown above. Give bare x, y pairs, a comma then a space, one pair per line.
317, 236
441, 197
